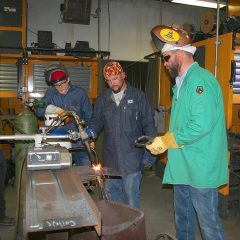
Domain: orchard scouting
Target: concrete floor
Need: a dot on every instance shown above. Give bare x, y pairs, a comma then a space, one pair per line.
156, 203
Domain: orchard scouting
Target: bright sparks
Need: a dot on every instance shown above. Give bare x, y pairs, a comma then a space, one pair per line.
97, 167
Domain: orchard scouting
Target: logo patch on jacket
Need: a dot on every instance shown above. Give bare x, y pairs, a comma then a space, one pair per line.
130, 101
199, 89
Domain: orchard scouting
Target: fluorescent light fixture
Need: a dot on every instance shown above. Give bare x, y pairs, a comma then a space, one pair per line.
200, 3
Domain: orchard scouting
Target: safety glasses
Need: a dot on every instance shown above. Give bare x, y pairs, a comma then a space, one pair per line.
166, 58
60, 84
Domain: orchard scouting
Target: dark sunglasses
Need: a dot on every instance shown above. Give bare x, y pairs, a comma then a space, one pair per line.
166, 58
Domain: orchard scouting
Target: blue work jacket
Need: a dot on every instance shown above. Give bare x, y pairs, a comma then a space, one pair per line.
122, 125
75, 99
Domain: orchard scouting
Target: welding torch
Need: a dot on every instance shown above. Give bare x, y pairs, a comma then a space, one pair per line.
143, 141
85, 138
82, 133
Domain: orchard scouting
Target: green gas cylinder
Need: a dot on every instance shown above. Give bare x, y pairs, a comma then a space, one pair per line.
25, 123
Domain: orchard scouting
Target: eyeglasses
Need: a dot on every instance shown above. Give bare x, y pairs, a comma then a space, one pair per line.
60, 84
166, 58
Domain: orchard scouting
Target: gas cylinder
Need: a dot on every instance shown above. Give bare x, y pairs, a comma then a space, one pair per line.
25, 123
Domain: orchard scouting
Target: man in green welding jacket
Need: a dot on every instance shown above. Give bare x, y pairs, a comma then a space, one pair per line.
196, 141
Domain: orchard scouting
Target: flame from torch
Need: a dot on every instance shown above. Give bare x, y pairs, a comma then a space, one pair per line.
97, 167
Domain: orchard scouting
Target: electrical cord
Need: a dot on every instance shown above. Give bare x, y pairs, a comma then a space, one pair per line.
56, 121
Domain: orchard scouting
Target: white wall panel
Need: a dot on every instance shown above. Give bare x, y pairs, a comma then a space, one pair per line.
131, 22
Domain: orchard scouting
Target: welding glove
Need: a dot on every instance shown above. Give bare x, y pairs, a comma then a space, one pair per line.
59, 111
92, 145
161, 144
91, 133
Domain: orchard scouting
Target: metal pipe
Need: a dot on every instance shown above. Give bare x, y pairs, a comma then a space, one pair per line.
31, 137
216, 43
38, 138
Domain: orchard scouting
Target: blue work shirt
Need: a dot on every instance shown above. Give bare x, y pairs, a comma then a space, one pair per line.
75, 99
123, 124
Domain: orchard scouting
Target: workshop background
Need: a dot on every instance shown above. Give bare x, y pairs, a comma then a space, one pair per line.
84, 34
123, 26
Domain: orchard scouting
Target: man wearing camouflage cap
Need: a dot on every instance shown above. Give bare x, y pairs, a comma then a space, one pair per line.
125, 114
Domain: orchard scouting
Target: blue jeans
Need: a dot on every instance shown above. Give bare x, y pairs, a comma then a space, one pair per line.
191, 203
81, 158
125, 189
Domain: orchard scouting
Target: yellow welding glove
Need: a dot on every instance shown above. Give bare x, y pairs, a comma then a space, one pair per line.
161, 144
92, 145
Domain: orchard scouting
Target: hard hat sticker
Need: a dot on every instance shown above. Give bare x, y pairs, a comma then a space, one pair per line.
169, 35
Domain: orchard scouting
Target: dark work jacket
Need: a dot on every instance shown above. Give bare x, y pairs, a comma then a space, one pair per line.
122, 125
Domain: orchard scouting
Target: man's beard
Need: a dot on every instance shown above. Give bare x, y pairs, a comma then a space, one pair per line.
118, 90
173, 72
